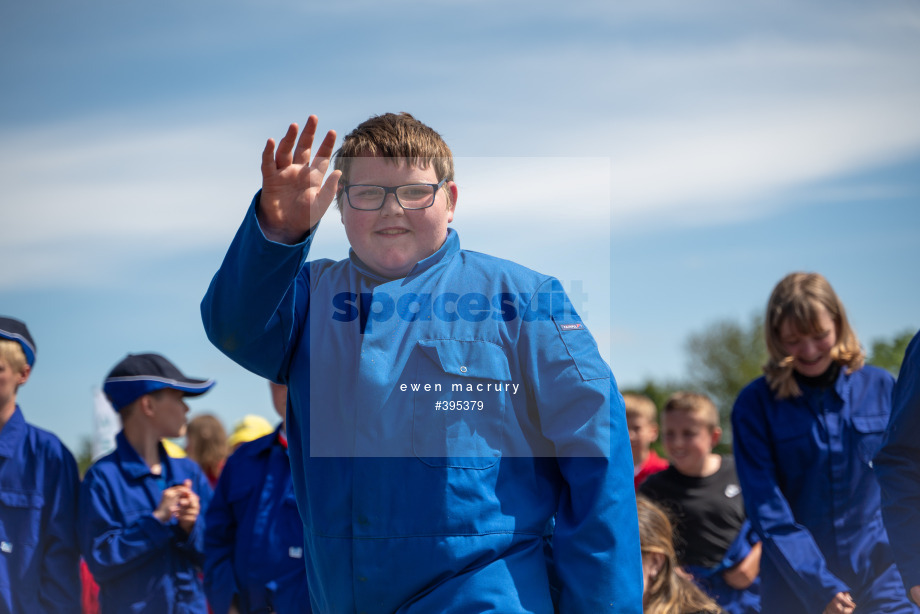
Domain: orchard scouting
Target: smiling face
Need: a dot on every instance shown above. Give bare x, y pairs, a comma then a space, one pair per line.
689, 441
392, 240
810, 350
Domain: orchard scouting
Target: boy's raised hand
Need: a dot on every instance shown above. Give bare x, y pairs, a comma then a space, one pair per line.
294, 196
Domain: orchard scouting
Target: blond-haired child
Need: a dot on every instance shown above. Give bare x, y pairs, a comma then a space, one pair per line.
39, 558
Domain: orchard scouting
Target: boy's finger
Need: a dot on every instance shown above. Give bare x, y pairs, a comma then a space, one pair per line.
286, 146
302, 152
324, 153
268, 158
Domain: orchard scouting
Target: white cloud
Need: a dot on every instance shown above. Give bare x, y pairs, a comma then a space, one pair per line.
123, 184
715, 163
683, 132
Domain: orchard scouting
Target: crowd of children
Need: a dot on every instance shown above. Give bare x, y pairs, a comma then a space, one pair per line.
143, 519
515, 496
700, 489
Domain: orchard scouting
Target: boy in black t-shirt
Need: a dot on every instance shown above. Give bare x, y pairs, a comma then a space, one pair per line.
700, 489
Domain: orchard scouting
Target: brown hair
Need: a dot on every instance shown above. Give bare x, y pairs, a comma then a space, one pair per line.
693, 403
206, 443
640, 405
397, 136
798, 298
668, 592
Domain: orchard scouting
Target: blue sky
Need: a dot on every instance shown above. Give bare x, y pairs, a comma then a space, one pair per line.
674, 159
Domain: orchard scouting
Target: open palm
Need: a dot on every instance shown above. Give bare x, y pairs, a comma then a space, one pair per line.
294, 196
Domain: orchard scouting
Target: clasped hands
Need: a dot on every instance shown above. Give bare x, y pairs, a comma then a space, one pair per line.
179, 502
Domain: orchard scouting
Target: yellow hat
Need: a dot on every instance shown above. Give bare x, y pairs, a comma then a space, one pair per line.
249, 428
173, 449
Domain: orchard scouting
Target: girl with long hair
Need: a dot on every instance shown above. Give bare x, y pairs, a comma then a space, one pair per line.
666, 589
805, 435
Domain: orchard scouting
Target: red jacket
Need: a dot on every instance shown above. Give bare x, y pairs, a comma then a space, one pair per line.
653, 464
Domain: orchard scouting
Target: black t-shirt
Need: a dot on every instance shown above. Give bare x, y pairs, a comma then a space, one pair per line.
708, 512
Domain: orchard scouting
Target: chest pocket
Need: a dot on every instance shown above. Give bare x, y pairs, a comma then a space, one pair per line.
870, 430
460, 393
20, 517
796, 437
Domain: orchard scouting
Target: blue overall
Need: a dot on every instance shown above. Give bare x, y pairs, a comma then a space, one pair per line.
140, 564
39, 558
254, 537
712, 580
437, 423
805, 466
898, 468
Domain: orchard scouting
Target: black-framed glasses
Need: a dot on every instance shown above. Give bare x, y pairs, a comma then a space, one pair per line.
411, 196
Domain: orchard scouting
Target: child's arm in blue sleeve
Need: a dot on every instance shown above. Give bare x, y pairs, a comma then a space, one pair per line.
741, 564
596, 540
60, 579
219, 542
898, 469
249, 309
192, 544
113, 548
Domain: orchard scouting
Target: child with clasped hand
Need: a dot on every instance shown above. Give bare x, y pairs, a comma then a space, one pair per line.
805, 435
141, 530
407, 508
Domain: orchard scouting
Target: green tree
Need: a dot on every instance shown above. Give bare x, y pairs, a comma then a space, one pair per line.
84, 457
889, 354
658, 392
722, 359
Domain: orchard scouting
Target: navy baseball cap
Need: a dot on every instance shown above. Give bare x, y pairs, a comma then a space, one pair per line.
140, 374
15, 330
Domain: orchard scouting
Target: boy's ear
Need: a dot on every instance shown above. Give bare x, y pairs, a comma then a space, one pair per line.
145, 404
24, 375
454, 193
716, 436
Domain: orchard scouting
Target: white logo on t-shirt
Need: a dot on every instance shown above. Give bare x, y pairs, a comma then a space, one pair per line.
732, 490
